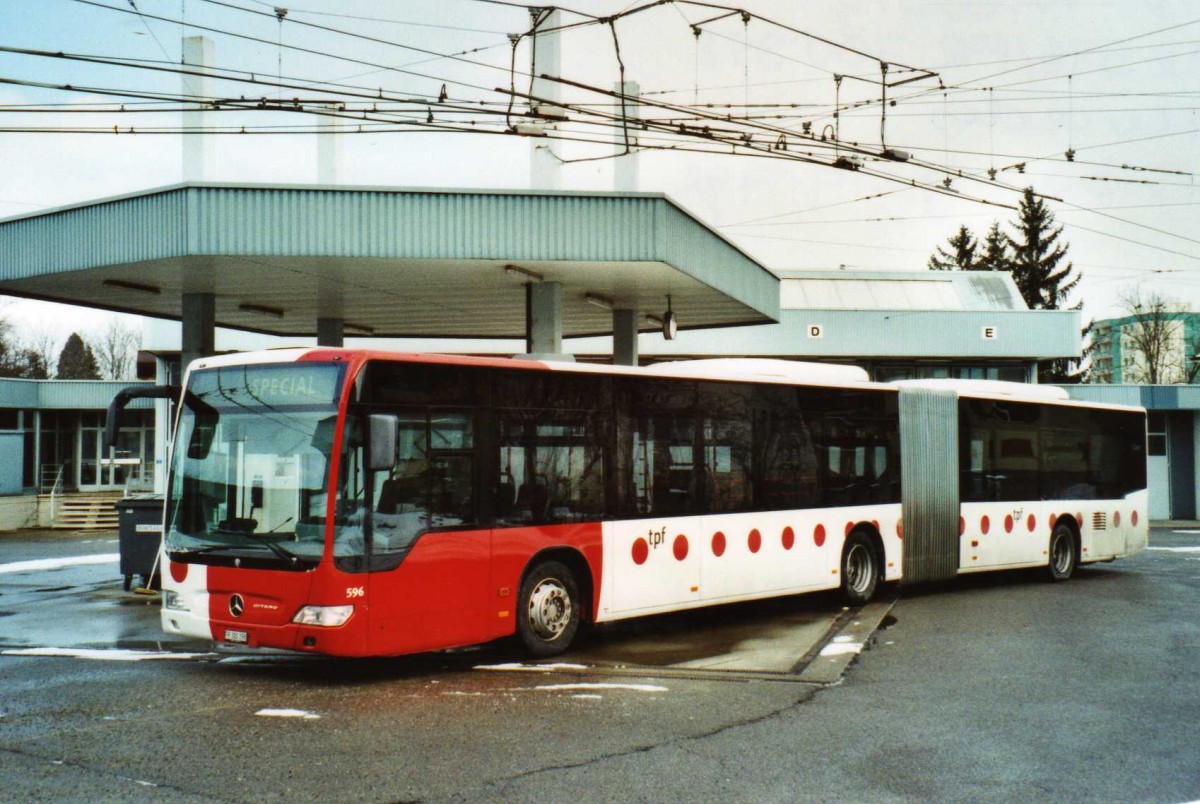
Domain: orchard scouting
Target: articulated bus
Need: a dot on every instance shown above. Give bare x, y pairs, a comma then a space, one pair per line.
360, 503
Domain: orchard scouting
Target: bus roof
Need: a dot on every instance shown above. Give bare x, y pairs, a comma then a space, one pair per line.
786, 372
761, 370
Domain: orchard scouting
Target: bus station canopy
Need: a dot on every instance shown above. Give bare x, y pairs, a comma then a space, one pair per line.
386, 261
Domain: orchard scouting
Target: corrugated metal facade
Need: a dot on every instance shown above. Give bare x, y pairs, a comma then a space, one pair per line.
212, 219
1041, 335
929, 483
1151, 397
64, 394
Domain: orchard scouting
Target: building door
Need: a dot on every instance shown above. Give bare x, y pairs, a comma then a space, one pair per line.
1158, 468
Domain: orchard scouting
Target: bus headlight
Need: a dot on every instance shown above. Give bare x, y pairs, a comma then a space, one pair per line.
323, 616
175, 601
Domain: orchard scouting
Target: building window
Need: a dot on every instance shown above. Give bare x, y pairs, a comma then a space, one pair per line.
1157, 425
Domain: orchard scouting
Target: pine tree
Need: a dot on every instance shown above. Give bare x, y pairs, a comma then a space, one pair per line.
76, 361
995, 251
962, 258
1037, 255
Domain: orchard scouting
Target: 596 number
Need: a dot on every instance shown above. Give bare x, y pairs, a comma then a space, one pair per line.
355, 591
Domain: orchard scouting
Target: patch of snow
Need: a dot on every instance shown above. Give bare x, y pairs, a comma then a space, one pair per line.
841, 648
1176, 549
601, 686
42, 564
543, 668
588, 697
106, 655
296, 713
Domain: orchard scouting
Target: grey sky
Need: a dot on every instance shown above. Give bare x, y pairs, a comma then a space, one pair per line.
1111, 81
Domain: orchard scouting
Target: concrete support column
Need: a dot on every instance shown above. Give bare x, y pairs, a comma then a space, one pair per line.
625, 337
37, 450
198, 149
330, 331
328, 146
162, 426
625, 166
545, 171
543, 318
198, 327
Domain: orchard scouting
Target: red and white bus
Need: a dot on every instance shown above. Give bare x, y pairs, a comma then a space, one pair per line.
360, 503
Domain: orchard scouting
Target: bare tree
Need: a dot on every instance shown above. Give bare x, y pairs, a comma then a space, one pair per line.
1154, 350
43, 343
116, 350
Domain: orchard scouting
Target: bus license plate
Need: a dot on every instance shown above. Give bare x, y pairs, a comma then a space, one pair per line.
240, 637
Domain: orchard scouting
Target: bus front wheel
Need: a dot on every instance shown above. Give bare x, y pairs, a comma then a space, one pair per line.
860, 569
1063, 557
548, 609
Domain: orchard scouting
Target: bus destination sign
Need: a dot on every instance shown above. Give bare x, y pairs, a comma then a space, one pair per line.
288, 384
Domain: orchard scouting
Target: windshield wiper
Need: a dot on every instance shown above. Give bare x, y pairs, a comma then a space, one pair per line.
259, 538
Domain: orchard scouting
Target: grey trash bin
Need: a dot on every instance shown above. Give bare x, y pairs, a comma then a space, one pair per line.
140, 531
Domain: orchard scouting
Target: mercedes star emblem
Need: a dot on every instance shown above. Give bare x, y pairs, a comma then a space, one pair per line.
236, 605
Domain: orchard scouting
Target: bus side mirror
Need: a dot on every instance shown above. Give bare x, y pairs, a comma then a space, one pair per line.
381, 446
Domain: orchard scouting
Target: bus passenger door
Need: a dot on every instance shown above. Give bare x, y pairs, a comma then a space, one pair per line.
429, 560
655, 560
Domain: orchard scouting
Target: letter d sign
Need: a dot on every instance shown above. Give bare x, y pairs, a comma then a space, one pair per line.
816, 331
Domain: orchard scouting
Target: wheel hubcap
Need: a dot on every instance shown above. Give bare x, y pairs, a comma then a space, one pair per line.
858, 568
1061, 553
549, 609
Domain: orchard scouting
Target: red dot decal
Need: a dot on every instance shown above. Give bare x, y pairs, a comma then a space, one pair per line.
178, 572
1031, 523
680, 547
1008, 523
641, 551
849, 527
1133, 518
899, 528
718, 544
875, 524
1079, 519
985, 525
1053, 520
962, 526
755, 541
819, 535
1116, 519
789, 538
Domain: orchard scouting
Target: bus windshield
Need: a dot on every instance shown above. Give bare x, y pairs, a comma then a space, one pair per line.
250, 466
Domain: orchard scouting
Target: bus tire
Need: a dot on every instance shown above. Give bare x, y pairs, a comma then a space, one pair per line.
548, 609
1063, 556
860, 569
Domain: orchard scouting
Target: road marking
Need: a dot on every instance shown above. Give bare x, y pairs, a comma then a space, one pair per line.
1176, 549
41, 564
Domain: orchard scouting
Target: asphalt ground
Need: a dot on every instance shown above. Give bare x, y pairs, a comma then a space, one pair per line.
994, 687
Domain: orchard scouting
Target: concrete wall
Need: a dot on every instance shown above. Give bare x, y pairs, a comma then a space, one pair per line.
18, 512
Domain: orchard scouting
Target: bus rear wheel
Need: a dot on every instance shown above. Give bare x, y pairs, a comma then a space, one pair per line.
1063, 557
860, 569
548, 609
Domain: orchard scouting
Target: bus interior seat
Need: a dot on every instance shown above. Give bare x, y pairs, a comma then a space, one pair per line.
389, 497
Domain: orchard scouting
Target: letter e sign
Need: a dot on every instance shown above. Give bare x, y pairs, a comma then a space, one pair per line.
816, 331
989, 333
